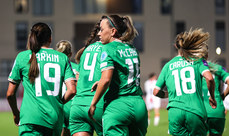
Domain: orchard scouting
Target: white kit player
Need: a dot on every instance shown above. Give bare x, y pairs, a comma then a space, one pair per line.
152, 102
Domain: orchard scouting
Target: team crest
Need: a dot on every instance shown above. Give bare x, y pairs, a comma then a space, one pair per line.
103, 56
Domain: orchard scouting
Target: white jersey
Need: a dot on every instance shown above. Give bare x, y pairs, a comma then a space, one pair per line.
151, 100
226, 100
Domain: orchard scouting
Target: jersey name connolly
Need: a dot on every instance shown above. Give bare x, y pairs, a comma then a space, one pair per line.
89, 73
184, 82
124, 59
42, 100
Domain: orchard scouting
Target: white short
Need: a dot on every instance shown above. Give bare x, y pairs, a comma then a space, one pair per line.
226, 102
152, 102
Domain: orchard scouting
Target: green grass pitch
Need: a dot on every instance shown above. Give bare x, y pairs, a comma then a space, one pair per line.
7, 127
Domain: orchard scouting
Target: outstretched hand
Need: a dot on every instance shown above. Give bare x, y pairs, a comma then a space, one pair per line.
212, 102
91, 112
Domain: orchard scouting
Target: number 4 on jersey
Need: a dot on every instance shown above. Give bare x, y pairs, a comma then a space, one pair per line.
90, 67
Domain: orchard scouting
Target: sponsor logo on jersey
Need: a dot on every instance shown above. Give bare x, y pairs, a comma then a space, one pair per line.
205, 62
104, 64
224, 69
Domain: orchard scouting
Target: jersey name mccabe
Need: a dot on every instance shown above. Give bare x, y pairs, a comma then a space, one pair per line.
127, 53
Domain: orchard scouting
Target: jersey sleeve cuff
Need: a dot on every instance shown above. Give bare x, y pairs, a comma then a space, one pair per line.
77, 73
156, 87
226, 79
107, 68
69, 79
204, 71
11, 80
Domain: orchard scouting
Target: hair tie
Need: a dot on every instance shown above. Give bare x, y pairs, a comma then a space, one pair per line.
124, 19
178, 45
111, 22
32, 30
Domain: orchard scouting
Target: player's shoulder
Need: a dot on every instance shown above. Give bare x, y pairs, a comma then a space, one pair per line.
24, 55
200, 61
114, 44
26, 52
109, 48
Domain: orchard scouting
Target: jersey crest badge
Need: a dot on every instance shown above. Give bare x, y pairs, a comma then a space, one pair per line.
103, 56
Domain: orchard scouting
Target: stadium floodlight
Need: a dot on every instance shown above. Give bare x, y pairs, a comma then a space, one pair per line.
218, 50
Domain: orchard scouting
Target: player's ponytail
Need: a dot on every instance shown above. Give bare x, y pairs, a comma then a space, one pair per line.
126, 31
40, 35
65, 47
192, 44
130, 33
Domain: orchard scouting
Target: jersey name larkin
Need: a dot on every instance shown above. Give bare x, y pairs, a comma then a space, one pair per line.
47, 57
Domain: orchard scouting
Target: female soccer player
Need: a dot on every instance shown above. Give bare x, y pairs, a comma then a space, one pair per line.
42, 71
125, 111
215, 117
183, 77
89, 73
65, 47
152, 102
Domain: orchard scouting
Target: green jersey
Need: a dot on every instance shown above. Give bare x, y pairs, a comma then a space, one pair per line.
184, 82
219, 74
67, 105
124, 59
74, 68
89, 73
42, 103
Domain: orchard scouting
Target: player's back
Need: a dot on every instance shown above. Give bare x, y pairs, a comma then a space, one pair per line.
45, 93
125, 60
89, 73
184, 80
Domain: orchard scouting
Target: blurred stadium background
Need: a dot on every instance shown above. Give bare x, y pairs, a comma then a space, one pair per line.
157, 21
